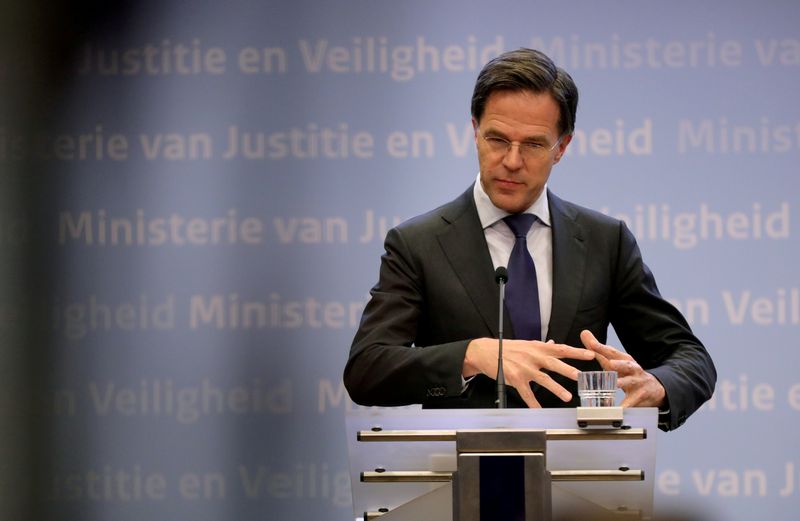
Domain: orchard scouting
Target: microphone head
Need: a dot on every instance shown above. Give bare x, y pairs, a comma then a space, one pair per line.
501, 275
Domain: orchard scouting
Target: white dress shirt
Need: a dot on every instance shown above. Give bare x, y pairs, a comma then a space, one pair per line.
501, 240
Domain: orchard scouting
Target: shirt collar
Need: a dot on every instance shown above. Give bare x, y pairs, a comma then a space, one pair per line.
489, 214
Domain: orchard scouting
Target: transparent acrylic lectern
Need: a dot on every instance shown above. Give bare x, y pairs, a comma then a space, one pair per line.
423, 465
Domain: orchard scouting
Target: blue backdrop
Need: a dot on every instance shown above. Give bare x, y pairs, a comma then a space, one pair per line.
222, 175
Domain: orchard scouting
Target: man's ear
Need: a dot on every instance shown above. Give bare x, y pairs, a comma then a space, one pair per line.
475, 130
562, 147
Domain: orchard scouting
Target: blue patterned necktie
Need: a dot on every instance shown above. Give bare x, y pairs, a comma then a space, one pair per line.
522, 291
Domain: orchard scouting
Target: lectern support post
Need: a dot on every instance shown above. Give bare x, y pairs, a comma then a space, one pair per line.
501, 475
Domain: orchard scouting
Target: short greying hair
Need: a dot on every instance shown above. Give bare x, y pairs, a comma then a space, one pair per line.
528, 70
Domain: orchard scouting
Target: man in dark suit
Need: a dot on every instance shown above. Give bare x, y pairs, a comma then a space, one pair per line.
428, 334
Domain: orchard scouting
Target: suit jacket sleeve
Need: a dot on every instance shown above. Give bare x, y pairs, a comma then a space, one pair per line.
385, 367
658, 336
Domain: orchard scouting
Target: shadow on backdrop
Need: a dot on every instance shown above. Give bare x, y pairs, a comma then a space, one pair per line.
37, 42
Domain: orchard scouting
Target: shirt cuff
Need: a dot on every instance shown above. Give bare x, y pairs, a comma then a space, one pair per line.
663, 418
465, 383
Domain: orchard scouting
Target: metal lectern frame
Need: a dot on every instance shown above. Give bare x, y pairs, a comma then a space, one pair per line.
424, 464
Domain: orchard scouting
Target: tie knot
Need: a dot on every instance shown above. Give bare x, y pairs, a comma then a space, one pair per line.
520, 223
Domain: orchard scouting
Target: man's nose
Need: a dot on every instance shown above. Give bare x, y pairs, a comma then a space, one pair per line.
513, 158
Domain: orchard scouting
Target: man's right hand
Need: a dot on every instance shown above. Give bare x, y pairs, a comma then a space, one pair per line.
523, 363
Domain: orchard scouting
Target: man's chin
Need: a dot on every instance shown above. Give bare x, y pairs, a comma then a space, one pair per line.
511, 203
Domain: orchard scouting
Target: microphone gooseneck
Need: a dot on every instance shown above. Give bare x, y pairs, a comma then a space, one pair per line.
501, 277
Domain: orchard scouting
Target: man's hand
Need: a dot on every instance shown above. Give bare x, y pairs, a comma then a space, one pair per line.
523, 362
642, 389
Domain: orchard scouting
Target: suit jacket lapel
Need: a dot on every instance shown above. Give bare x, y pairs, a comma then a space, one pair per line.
464, 245
569, 263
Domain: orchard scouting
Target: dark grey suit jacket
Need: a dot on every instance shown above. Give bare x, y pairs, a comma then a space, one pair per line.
436, 292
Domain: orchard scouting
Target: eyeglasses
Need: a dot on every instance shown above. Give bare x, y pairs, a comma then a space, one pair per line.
527, 149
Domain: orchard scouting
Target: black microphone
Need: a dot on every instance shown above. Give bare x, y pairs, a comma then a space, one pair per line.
501, 277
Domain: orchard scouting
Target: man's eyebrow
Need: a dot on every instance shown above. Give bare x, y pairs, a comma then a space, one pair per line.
538, 138
494, 133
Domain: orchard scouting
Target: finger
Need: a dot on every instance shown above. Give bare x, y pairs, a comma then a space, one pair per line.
607, 351
627, 382
557, 366
631, 400
551, 341
554, 387
625, 367
591, 342
518, 378
639, 398
644, 392
632, 391
588, 338
527, 395
565, 351
605, 363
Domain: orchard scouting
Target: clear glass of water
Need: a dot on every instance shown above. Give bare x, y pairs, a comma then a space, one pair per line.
597, 388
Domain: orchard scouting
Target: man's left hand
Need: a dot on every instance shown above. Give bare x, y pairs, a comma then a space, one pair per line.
642, 389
